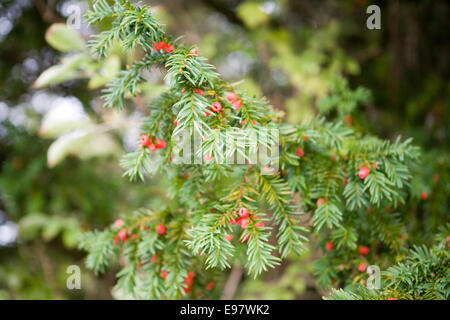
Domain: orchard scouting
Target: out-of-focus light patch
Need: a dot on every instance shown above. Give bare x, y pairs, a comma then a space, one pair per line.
17, 115
4, 111
131, 135
42, 101
8, 233
217, 21
31, 65
29, 69
65, 108
279, 77
5, 26
14, 11
269, 7
236, 65
3, 131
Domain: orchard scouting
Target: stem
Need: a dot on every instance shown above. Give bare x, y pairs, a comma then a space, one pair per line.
232, 283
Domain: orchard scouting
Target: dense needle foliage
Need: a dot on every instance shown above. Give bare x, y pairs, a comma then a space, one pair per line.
333, 184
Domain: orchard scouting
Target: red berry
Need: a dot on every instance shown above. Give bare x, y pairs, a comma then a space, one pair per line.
229, 237
205, 114
163, 274
191, 275
134, 237
363, 250
363, 172
198, 91
233, 221
259, 224
216, 106
161, 228
175, 122
185, 175
152, 147
118, 223
153, 258
160, 144
193, 52
423, 195
168, 47
159, 45
392, 299
237, 104
244, 223
145, 140
329, 246
231, 96
305, 138
123, 235
140, 264
209, 286
187, 289
348, 120
116, 239
362, 267
320, 201
300, 152
243, 212
207, 157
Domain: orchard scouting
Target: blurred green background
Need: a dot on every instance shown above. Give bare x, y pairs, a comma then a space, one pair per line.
290, 51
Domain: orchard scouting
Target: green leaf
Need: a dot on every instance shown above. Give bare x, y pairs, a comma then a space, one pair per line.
67, 70
69, 143
63, 38
108, 70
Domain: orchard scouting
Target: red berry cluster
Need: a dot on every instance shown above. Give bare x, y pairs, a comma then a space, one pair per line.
244, 219
234, 99
198, 91
122, 235
146, 141
188, 282
163, 46
300, 152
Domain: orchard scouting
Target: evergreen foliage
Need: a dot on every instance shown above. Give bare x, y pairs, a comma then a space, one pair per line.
319, 160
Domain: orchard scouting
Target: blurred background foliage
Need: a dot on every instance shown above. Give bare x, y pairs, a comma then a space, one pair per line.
59, 150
